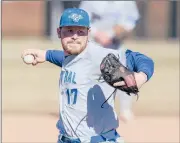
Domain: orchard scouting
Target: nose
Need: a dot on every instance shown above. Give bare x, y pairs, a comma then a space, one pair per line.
75, 36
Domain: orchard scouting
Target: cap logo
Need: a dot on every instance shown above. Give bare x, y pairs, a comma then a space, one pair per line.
75, 17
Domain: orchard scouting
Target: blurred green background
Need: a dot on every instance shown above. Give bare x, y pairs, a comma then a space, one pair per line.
28, 89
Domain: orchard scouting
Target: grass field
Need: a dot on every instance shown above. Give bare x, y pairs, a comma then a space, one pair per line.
30, 95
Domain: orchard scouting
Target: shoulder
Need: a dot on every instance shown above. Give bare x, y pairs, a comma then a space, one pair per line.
136, 57
95, 48
128, 52
96, 52
131, 53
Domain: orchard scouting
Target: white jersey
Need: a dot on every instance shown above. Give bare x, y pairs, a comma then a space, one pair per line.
81, 95
104, 15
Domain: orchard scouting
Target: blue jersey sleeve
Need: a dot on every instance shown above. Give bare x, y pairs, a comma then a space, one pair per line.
55, 56
140, 63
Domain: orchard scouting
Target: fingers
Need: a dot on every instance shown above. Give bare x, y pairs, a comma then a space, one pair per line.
28, 52
34, 62
24, 53
121, 83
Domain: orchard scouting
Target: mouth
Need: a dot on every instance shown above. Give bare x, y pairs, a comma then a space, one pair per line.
73, 43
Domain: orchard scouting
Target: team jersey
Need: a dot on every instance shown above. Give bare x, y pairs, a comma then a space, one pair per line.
82, 95
84, 111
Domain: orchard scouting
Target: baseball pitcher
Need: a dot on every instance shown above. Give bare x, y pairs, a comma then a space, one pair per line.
86, 97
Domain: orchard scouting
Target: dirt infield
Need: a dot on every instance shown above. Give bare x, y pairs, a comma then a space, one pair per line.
30, 95
31, 128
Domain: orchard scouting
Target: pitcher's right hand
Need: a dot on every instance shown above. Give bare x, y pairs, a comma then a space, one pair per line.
39, 55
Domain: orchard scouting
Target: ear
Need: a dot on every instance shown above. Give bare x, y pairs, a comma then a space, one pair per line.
59, 32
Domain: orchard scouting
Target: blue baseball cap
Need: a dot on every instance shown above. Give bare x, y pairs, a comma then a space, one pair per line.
74, 17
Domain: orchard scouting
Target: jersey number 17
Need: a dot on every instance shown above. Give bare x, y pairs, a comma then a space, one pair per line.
72, 96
